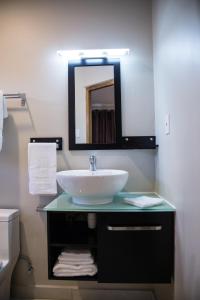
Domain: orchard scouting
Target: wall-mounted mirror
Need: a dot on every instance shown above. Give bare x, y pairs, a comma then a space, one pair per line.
95, 107
94, 104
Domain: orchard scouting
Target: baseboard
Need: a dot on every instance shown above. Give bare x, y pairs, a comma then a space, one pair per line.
112, 295
59, 292
42, 292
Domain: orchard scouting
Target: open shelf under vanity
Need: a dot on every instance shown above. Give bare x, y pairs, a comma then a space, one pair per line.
69, 230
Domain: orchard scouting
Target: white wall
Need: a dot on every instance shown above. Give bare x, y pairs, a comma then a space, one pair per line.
30, 34
177, 89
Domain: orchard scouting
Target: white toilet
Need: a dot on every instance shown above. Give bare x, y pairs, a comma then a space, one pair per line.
9, 248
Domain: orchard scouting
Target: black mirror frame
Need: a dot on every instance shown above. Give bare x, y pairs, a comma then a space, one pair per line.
71, 102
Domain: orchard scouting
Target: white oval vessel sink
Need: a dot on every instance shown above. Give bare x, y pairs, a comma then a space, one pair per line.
92, 187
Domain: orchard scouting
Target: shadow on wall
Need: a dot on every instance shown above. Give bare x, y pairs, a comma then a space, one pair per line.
9, 166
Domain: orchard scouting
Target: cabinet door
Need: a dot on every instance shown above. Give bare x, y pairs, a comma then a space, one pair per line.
135, 247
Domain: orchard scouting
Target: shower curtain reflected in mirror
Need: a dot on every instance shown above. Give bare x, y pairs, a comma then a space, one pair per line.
103, 126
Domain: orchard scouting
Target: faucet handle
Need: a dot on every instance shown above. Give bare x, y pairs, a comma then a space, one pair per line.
92, 158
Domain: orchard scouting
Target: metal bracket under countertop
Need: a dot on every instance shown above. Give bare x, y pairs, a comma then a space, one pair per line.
40, 209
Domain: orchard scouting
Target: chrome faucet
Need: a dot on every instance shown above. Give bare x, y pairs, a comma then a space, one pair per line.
92, 161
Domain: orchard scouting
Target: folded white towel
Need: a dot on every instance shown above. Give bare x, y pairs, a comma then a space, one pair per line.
144, 201
60, 270
73, 273
42, 165
75, 261
62, 267
84, 253
3, 115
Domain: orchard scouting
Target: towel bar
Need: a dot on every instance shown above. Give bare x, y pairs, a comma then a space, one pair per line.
57, 140
21, 96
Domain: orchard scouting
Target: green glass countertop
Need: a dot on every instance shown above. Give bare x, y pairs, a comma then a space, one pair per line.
64, 203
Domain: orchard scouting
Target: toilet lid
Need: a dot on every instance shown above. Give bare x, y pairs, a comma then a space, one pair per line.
8, 214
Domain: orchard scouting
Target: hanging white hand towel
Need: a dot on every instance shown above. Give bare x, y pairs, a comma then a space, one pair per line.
3, 115
42, 165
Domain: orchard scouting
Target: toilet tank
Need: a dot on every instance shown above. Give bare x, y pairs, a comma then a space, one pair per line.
9, 234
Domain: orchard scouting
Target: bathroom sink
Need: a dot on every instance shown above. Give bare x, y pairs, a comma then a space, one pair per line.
92, 187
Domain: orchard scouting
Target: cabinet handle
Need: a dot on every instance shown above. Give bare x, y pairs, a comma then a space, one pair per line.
134, 228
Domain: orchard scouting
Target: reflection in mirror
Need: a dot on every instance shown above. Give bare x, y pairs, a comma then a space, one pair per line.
95, 105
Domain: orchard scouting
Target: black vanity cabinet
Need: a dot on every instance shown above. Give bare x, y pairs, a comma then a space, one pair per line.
128, 247
135, 247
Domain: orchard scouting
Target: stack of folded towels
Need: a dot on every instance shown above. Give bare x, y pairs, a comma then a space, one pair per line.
75, 263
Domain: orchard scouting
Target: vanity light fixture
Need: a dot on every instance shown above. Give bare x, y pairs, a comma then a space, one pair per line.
92, 53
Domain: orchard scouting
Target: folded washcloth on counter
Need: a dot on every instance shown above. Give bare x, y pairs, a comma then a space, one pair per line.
76, 261
84, 253
144, 201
